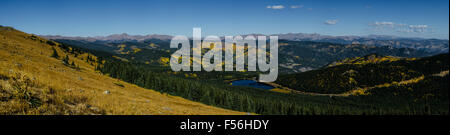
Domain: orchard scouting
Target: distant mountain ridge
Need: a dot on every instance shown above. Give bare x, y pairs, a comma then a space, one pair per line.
113, 37
287, 36
429, 45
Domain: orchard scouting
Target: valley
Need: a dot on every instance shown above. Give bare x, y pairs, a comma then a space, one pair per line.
72, 76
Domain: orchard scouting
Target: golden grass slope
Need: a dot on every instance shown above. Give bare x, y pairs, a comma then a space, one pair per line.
32, 82
369, 59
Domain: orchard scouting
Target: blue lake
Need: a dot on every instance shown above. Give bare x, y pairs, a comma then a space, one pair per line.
251, 83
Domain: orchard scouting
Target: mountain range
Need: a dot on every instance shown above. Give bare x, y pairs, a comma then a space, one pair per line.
113, 37
429, 45
294, 56
40, 76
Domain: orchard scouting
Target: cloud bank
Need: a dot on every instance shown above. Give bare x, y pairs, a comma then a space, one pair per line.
399, 27
276, 7
331, 22
296, 6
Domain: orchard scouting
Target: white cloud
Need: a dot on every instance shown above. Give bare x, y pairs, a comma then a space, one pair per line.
401, 24
418, 28
383, 24
278, 7
399, 27
331, 22
296, 6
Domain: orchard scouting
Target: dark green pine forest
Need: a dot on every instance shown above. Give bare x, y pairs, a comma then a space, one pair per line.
428, 96
368, 71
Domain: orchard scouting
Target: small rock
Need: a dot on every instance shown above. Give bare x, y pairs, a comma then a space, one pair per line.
95, 109
106, 92
81, 79
167, 108
19, 65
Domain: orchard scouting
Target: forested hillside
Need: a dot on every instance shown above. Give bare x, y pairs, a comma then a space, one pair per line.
266, 102
361, 72
294, 56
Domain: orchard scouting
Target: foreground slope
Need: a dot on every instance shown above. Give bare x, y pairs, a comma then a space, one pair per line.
33, 82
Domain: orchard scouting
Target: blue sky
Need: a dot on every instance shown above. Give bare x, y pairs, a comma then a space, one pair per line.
406, 18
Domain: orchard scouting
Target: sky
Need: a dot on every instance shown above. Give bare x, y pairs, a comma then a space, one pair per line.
404, 18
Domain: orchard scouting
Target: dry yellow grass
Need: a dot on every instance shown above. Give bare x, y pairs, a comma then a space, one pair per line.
65, 90
281, 90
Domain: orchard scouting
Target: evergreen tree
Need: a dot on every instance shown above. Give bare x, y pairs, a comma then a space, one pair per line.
66, 60
55, 53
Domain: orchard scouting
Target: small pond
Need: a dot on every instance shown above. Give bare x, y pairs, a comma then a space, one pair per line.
251, 83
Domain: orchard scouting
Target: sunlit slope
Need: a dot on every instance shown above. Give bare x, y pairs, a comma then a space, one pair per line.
33, 82
356, 75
